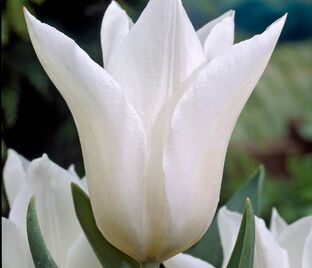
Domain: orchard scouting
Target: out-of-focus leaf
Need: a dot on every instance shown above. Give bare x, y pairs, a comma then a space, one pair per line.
108, 255
209, 247
38, 248
4, 30
10, 101
15, 17
38, 2
306, 131
252, 189
243, 252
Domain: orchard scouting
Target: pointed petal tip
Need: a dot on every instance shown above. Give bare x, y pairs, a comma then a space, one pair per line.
11, 152
28, 16
45, 156
231, 13
116, 5
279, 23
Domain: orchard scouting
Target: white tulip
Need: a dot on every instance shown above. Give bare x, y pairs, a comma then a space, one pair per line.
184, 260
155, 122
284, 246
60, 228
295, 238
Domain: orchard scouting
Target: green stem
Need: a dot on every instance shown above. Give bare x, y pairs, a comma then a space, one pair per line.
150, 265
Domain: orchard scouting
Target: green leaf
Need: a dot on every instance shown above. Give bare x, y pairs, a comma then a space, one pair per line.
108, 255
252, 189
209, 248
38, 248
243, 252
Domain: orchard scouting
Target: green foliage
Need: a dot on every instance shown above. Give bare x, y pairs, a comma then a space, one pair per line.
243, 252
4, 30
108, 255
292, 197
252, 189
39, 251
10, 101
209, 247
14, 12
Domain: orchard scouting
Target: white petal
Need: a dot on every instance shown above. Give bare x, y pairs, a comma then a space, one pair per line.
14, 174
115, 27
201, 128
81, 255
293, 239
111, 134
185, 260
307, 256
72, 170
158, 58
15, 250
268, 253
204, 31
278, 224
19, 207
220, 38
228, 225
51, 186
83, 184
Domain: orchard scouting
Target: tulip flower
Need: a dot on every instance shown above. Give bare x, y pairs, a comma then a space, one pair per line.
60, 228
185, 260
287, 246
155, 122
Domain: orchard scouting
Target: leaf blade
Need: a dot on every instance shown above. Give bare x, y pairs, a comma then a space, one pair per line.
39, 251
251, 189
243, 252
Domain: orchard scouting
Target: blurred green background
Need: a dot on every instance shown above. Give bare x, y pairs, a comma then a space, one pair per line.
275, 127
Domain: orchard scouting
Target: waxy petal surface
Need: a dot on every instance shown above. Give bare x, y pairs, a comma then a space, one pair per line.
56, 215
220, 38
185, 260
201, 127
111, 134
14, 174
81, 255
307, 256
293, 239
204, 31
278, 224
15, 250
115, 27
158, 58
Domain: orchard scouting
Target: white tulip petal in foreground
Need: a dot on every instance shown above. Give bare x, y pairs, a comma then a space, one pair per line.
15, 251
155, 122
81, 255
60, 228
185, 260
295, 239
307, 256
288, 249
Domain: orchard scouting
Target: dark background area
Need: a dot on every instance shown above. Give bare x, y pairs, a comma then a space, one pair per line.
275, 127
